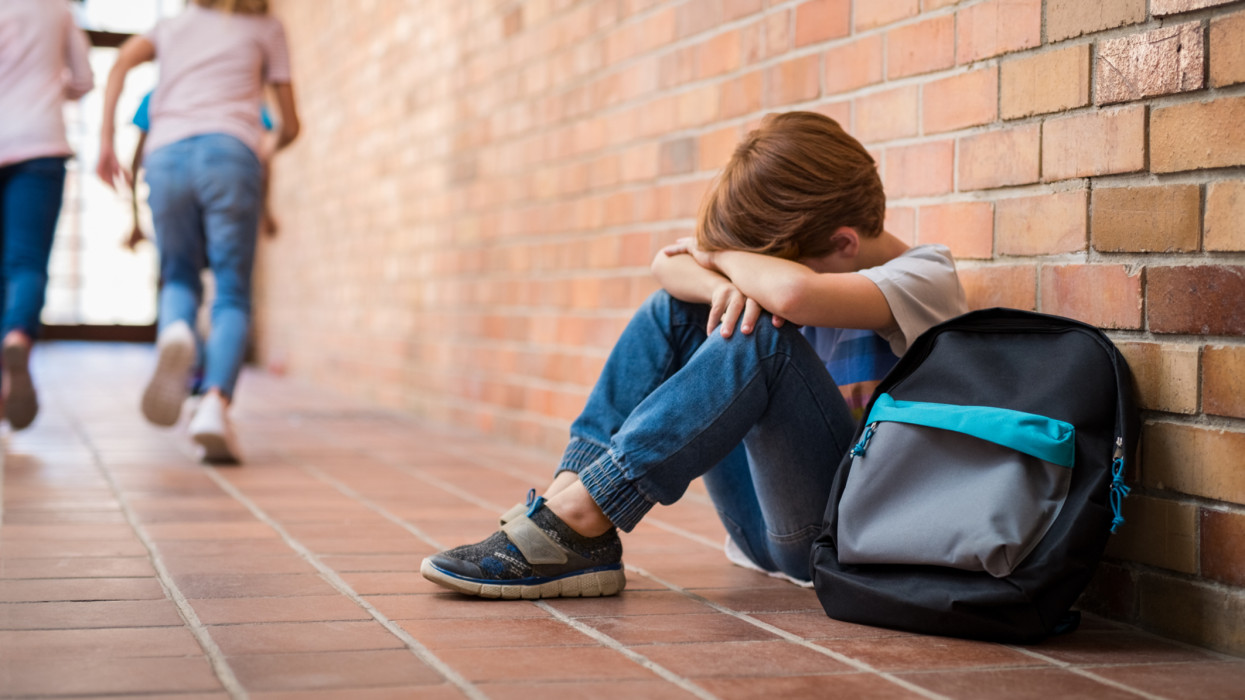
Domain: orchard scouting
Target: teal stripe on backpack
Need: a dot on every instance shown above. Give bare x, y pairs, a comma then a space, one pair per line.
1047, 439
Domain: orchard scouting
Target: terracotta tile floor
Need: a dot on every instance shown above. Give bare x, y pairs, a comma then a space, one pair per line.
126, 568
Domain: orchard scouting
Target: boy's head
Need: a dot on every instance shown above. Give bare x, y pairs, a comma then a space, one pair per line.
791, 183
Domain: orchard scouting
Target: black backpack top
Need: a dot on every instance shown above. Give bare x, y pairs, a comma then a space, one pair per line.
984, 482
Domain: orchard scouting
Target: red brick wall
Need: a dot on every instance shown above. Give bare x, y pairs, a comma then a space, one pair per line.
468, 217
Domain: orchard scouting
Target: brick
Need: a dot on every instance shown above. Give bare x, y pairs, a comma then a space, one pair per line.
698, 107
997, 27
854, 65
741, 95
778, 36
1162, 8
1053, 81
791, 81
1000, 158
968, 99
887, 115
1107, 296
1157, 532
1198, 135
1043, 225
967, 228
876, 13
840, 111
734, 9
1195, 460
1069, 18
1147, 219
715, 147
1199, 299
1009, 286
1206, 615
1223, 541
922, 47
1159, 62
1097, 143
901, 223
1223, 380
819, 20
919, 171
678, 156
1227, 50
1165, 375
927, 5
721, 54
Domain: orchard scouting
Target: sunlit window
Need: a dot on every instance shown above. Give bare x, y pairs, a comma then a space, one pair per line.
93, 278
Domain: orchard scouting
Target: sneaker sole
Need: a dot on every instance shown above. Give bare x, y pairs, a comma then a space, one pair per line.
23, 403
167, 390
588, 585
216, 449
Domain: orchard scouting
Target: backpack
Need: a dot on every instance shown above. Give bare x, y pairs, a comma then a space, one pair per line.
983, 483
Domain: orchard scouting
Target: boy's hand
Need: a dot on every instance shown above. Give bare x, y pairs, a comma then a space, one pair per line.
729, 307
687, 246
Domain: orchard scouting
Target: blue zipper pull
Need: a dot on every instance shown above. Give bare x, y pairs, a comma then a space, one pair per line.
1118, 489
859, 449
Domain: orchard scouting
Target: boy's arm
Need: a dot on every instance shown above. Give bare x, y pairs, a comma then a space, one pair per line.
686, 280
801, 295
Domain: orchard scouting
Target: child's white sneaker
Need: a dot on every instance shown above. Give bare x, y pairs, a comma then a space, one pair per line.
167, 389
211, 429
735, 554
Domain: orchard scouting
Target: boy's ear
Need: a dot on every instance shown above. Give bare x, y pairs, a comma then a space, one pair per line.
846, 242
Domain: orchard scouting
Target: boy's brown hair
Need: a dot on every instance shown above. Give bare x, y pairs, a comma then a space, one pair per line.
791, 183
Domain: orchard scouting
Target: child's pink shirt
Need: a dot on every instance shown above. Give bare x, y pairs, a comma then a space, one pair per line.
43, 62
213, 68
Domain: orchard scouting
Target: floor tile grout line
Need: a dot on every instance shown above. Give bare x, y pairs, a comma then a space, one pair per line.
608, 641
215, 656
334, 579
794, 638
1086, 673
580, 627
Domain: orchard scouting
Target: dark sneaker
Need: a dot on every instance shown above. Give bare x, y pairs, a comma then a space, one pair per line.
534, 555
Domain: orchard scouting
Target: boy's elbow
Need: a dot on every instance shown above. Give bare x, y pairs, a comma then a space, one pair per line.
788, 300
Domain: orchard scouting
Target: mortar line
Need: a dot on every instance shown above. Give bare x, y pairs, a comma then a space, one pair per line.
600, 637
1085, 673
334, 579
215, 656
794, 638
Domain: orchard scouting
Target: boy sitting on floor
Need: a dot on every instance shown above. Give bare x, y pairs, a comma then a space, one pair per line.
750, 368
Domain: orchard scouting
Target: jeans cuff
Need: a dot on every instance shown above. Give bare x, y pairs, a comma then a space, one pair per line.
617, 497
579, 454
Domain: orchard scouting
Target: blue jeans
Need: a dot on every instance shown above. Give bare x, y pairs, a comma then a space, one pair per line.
205, 198
757, 415
30, 202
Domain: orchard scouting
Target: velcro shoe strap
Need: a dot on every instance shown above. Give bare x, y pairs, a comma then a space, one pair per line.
535, 544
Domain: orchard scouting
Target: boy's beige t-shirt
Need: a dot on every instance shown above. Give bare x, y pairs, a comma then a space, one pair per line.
922, 289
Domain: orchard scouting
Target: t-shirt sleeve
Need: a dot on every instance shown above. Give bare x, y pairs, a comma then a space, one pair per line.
922, 289
276, 55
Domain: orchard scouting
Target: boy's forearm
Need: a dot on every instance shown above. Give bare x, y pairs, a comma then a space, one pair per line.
773, 282
685, 279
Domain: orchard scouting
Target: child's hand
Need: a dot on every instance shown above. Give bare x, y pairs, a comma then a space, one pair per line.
687, 246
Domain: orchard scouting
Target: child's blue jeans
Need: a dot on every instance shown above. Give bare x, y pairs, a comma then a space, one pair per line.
757, 415
205, 198
31, 192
